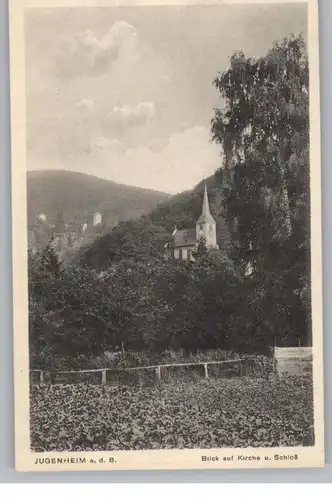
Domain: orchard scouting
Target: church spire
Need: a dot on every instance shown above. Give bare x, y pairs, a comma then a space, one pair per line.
206, 216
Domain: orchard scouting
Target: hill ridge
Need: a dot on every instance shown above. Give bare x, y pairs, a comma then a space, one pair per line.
78, 196
50, 172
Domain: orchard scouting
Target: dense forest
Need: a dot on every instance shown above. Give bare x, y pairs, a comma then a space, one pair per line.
120, 293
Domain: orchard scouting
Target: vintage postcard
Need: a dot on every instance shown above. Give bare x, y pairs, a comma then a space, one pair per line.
167, 265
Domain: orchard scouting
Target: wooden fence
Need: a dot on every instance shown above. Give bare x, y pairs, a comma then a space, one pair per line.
295, 361
140, 374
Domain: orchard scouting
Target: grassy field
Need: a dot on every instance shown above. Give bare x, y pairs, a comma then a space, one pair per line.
240, 412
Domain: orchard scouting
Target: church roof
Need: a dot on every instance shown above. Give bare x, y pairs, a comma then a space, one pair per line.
185, 238
206, 214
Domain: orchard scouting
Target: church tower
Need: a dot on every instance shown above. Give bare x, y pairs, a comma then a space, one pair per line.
206, 225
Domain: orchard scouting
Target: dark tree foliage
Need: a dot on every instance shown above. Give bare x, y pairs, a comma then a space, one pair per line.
49, 260
140, 240
264, 132
137, 305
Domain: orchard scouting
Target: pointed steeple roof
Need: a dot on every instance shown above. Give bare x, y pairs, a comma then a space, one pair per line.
206, 216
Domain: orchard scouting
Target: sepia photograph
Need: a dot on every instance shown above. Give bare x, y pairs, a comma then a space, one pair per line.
166, 220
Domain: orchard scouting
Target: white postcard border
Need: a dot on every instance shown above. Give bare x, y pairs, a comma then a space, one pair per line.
155, 459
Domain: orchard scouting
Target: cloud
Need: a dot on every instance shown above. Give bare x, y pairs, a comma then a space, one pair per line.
85, 104
125, 116
83, 53
71, 97
102, 143
180, 164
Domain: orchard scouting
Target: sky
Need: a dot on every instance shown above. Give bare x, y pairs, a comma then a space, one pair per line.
126, 93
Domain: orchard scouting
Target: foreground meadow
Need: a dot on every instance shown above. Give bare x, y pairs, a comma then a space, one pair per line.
239, 412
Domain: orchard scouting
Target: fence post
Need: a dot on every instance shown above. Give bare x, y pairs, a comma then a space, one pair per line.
103, 377
41, 380
206, 370
158, 371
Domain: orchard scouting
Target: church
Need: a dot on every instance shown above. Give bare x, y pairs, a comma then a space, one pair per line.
185, 241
